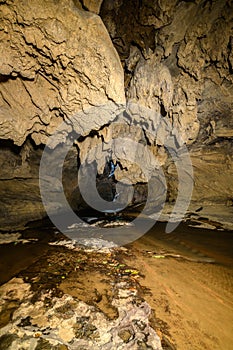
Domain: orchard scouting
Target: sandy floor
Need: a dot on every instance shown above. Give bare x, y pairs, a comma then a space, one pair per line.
193, 301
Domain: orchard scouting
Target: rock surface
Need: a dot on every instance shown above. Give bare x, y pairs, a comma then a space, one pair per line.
49, 72
92, 5
72, 324
59, 307
178, 63
57, 62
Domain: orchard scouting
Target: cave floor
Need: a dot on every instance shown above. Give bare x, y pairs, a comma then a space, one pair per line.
186, 278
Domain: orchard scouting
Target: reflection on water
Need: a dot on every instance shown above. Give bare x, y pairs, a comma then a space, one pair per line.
192, 243
191, 290
198, 244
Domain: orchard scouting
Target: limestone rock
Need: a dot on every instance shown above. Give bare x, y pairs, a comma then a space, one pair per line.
151, 86
58, 63
213, 173
55, 60
213, 169
205, 40
184, 39
69, 323
144, 17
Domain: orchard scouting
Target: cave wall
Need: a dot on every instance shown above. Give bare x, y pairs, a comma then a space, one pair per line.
57, 59
172, 60
178, 60
52, 65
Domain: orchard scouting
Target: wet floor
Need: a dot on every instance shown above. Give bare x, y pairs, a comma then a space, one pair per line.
193, 244
188, 279
188, 275
200, 245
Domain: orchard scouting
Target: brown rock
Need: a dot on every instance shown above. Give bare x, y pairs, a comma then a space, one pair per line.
185, 40
178, 67
55, 59
125, 335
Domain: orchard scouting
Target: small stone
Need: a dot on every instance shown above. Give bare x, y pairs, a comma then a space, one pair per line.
125, 335
38, 335
140, 324
44, 344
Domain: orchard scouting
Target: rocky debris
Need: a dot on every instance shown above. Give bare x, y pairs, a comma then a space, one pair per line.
74, 324
90, 244
97, 306
6, 238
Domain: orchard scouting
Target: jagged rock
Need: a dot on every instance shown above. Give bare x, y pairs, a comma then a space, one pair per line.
59, 56
213, 171
70, 323
144, 17
55, 60
151, 86
184, 39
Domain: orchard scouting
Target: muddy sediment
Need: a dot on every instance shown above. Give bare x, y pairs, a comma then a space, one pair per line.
177, 287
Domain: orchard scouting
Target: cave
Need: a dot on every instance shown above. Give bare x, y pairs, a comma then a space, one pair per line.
116, 180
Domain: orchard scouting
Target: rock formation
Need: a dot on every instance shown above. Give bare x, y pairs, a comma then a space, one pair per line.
58, 62
178, 61
52, 66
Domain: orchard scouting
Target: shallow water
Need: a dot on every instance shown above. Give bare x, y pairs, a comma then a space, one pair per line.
188, 278
198, 245
193, 243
